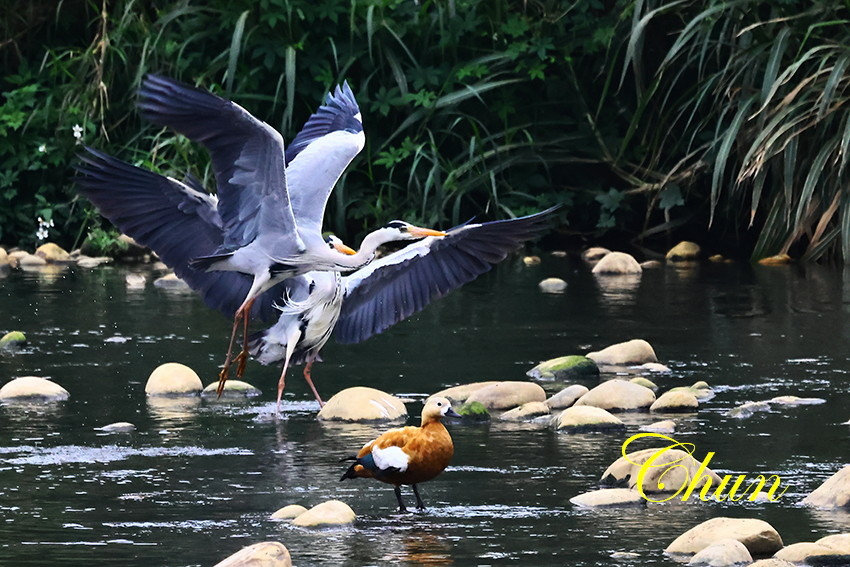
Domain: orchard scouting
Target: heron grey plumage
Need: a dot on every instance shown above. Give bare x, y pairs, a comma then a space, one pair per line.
271, 199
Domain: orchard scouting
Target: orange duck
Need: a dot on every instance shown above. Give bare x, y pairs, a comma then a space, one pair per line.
408, 455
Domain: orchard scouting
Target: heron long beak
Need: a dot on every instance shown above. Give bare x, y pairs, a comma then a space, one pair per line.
340, 247
423, 232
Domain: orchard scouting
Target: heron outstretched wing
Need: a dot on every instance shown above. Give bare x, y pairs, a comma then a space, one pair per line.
392, 288
319, 154
247, 156
178, 220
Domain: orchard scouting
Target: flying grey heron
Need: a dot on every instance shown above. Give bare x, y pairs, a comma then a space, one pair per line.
180, 221
271, 198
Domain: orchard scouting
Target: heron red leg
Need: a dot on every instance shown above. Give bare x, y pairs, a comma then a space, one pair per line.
308, 377
225, 369
242, 357
281, 384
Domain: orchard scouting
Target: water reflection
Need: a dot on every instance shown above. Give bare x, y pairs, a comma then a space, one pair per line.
618, 290
173, 411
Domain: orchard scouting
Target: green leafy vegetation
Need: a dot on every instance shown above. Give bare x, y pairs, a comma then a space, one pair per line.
723, 121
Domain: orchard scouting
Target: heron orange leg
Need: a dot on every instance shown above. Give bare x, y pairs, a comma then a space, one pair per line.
308, 377
225, 369
242, 357
281, 384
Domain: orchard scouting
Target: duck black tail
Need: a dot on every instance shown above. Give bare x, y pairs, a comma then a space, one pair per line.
350, 472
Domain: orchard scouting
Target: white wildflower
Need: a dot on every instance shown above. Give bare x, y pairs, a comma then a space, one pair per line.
78, 131
42, 148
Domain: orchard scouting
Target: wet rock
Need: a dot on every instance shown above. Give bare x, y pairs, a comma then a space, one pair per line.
801, 552
552, 285
265, 554
332, 512
719, 259
459, 394
587, 418
566, 397
671, 470
635, 351
117, 427
833, 493
624, 555
617, 263
653, 367
31, 260
651, 265
679, 401
666, 426
838, 542
135, 281
609, 497
33, 389
89, 262
683, 252
771, 563
618, 395
723, 553
795, 401
14, 257
701, 390
778, 260
4, 256
289, 512
13, 340
52, 253
558, 253
525, 412
759, 537
531, 260
170, 281
747, 409
173, 379
508, 394
594, 254
474, 411
646, 383
564, 368
363, 404
232, 389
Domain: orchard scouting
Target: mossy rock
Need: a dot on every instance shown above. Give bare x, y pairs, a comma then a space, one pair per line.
13, 340
565, 368
475, 411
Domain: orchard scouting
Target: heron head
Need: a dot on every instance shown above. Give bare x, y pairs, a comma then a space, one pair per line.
335, 243
406, 231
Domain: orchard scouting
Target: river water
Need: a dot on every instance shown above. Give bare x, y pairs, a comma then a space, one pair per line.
197, 481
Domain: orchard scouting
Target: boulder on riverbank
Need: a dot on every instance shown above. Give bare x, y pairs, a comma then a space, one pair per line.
173, 379
801, 552
633, 352
701, 390
675, 401
833, 493
459, 394
586, 418
52, 253
723, 553
265, 554
507, 395
12, 340
525, 412
594, 254
617, 263
33, 389
232, 389
618, 395
670, 471
759, 537
683, 252
566, 397
360, 403
289, 512
565, 368
330, 513
552, 285
171, 282
608, 497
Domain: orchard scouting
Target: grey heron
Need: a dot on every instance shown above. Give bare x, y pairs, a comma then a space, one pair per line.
180, 221
271, 198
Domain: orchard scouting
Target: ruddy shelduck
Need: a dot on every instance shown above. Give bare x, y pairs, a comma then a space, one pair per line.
408, 455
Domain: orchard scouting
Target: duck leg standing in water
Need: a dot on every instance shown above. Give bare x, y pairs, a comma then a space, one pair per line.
408, 455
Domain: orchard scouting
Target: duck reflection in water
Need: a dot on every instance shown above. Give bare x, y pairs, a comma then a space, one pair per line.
408, 455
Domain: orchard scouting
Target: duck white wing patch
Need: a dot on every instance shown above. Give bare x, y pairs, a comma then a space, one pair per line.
390, 458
